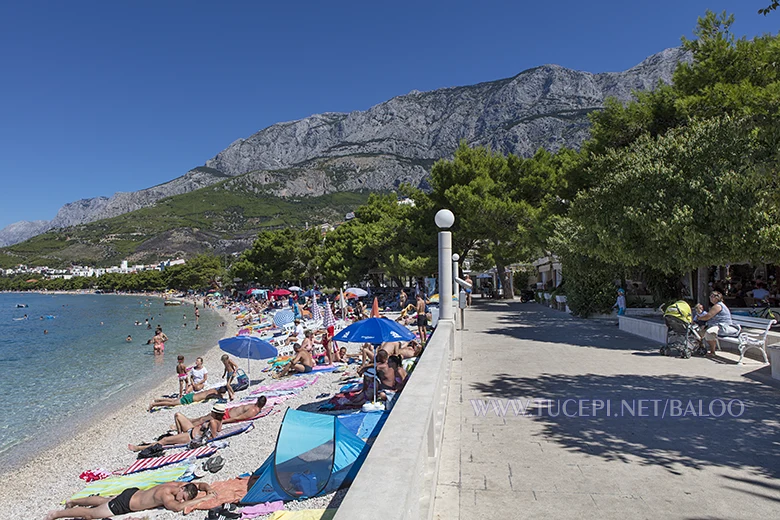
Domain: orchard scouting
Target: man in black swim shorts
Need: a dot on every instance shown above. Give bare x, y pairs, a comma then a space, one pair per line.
173, 496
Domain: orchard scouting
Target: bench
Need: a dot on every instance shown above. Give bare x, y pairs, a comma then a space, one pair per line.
753, 335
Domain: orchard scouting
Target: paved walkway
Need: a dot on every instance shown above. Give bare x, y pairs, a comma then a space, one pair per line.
548, 465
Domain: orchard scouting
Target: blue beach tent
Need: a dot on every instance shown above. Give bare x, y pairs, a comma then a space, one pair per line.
315, 454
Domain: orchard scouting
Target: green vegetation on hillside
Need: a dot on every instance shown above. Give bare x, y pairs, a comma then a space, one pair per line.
224, 211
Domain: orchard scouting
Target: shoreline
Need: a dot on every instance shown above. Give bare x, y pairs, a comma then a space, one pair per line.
54, 471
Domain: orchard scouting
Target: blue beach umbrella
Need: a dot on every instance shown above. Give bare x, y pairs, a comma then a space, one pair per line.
311, 292
283, 317
374, 331
248, 347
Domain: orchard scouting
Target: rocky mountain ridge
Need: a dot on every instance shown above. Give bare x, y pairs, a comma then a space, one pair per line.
393, 142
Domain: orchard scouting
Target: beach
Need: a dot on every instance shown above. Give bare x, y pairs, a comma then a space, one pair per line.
52, 476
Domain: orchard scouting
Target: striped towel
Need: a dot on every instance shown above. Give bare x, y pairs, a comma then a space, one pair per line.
158, 462
114, 485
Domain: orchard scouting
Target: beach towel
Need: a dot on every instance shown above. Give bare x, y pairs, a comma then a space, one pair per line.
318, 368
224, 434
261, 509
351, 387
228, 492
365, 425
343, 401
114, 485
284, 385
304, 514
158, 462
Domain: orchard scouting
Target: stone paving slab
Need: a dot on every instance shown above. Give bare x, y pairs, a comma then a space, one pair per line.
662, 452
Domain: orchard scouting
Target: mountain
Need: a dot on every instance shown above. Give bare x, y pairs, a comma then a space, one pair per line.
21, 231
393, 142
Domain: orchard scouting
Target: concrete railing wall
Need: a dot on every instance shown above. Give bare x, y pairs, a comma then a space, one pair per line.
398, 478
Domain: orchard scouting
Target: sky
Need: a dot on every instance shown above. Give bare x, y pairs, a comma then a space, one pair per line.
100, 97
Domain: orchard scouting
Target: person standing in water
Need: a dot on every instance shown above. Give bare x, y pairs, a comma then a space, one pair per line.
159, 340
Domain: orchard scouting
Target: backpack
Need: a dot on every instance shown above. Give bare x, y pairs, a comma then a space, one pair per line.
155, 450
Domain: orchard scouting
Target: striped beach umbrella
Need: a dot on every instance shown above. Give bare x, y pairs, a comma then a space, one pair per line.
316, 314
328, 320
283, 317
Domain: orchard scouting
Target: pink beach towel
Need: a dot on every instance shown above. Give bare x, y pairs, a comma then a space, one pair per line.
261, 509
290, 384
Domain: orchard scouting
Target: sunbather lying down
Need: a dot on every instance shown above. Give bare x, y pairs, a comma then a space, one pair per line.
214, 393
173, 496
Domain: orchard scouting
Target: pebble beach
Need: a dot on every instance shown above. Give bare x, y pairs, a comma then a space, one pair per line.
46, 481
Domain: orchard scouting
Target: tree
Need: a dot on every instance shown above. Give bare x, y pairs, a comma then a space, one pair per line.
486, 193
691, 198
201, 272
771, 7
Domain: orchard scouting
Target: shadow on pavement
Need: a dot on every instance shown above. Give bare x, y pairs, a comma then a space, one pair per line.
662, 435
530, 321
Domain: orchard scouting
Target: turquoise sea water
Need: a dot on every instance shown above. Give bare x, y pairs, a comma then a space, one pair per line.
53, 383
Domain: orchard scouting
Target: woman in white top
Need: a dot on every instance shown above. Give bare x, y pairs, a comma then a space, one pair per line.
199, 375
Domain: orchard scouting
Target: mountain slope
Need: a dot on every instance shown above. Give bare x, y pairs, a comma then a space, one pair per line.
222, 219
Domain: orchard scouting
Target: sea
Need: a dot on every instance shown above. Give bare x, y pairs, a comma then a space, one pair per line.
70, 361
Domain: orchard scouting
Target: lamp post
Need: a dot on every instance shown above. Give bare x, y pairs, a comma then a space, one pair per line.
444, 220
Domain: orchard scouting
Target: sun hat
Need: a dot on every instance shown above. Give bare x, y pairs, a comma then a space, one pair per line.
219, 408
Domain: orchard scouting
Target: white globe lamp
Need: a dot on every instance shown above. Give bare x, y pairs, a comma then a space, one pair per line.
444, 219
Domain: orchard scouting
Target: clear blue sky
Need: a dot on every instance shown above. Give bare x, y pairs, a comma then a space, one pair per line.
99, 97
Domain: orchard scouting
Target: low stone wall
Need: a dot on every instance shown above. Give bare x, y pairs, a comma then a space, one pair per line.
398, 478
650, 329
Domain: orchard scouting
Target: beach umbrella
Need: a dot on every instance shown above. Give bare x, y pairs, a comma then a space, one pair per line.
249, 347
294, 288
375, 331
283, 317
328, 320
316, 315
343, 304
311, 292
375, 308
280, 292
357, 291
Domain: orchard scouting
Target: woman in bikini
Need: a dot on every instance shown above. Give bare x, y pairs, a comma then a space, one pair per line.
188, 432
159, 340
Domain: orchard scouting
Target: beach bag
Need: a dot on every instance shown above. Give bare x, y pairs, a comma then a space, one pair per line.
155, 450
728, 331
242, 381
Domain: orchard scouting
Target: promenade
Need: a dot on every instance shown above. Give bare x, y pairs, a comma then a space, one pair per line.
555, 459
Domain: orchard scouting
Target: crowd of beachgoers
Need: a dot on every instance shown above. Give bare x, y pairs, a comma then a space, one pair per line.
217, 417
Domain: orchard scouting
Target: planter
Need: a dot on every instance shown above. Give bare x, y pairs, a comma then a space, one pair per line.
560, 298
773, 353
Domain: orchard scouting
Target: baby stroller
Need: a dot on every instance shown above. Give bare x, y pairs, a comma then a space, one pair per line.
682, 334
